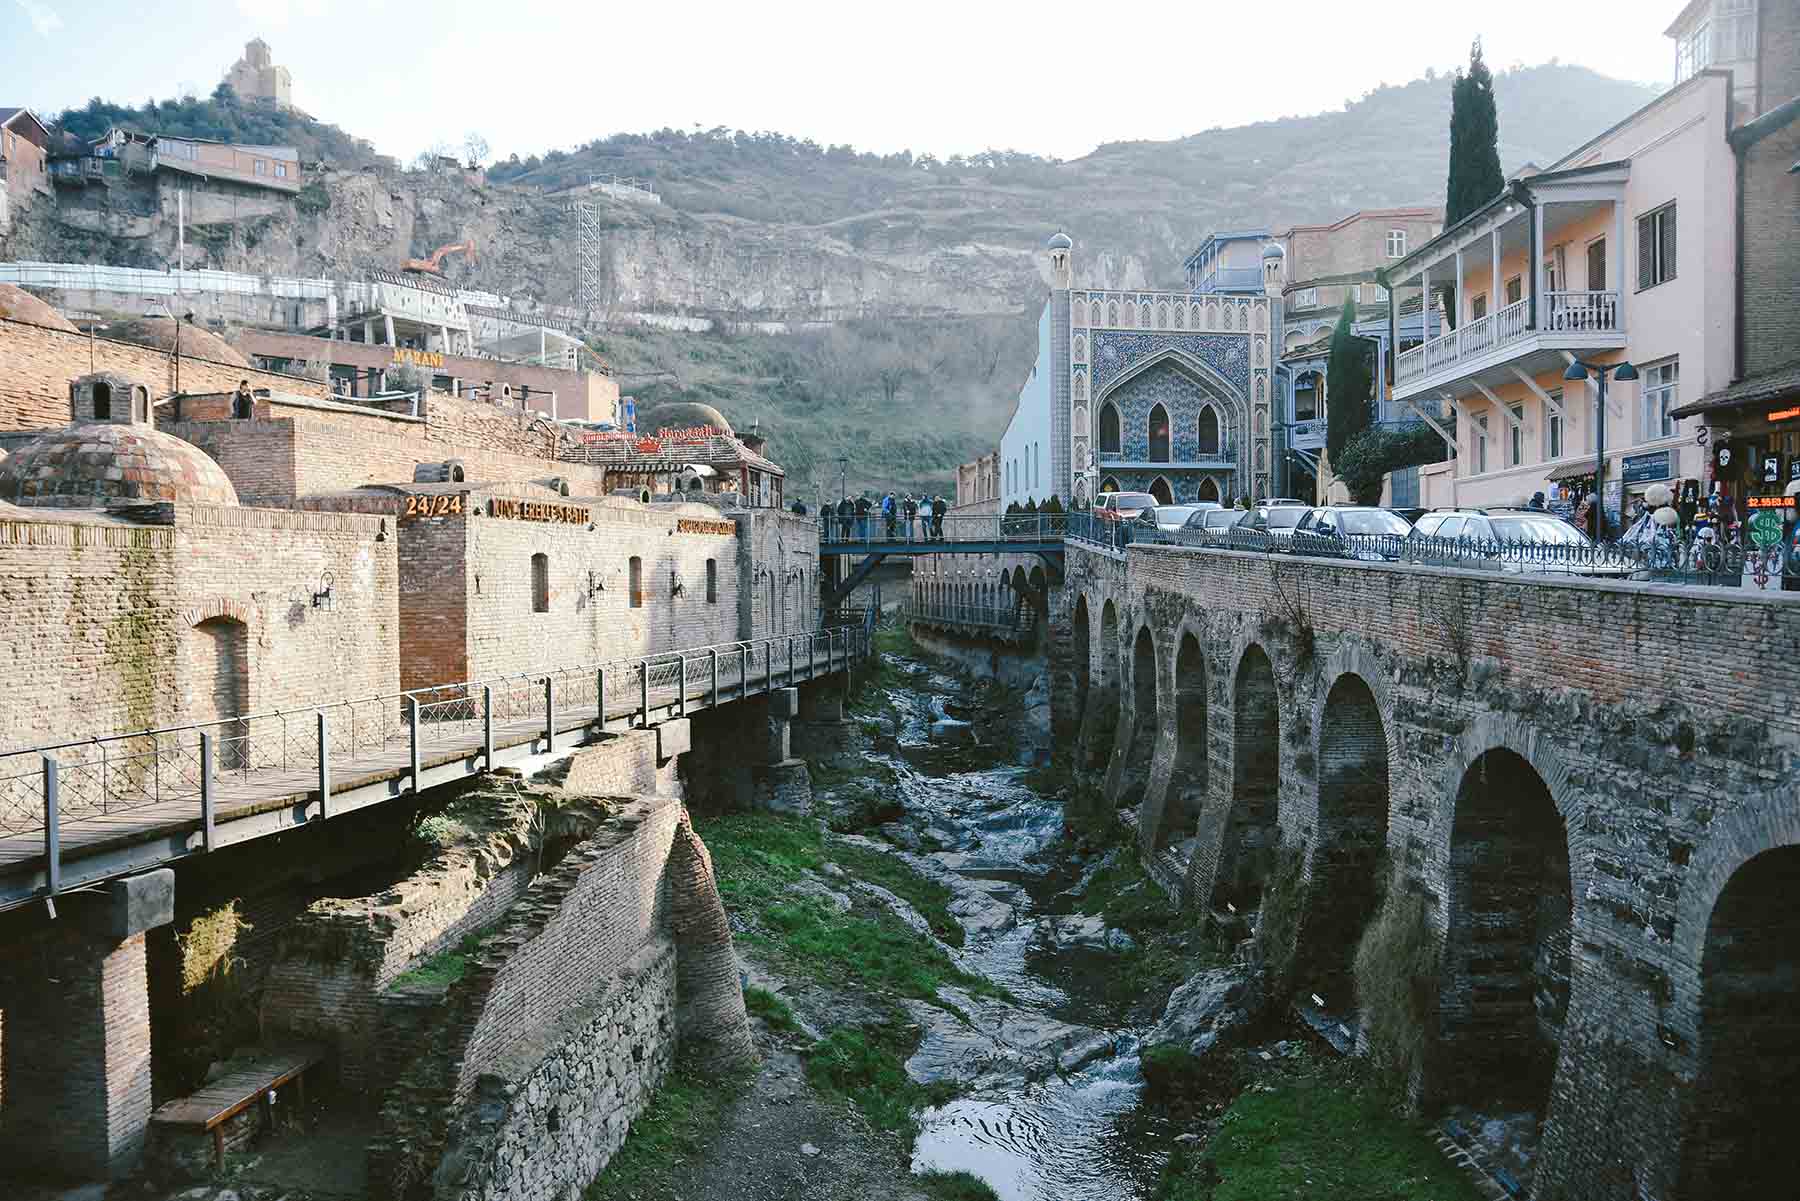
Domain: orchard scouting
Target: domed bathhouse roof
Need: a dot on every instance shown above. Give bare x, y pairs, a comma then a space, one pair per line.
1061, 241
685, 414
101, 464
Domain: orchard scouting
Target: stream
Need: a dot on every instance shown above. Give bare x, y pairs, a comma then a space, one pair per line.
1049, 1109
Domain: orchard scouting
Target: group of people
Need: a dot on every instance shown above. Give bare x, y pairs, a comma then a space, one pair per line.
896, 518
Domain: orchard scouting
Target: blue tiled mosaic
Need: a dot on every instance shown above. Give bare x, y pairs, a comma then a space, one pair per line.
1114, 351
1183, 398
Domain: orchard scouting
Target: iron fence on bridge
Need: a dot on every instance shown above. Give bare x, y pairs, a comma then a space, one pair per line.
1659, 559
875, 533
175, 774
1015, 619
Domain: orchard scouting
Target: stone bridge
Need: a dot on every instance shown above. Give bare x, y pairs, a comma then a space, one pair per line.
1586, 789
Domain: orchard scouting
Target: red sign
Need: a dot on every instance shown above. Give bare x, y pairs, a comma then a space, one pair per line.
647, 446
694, 433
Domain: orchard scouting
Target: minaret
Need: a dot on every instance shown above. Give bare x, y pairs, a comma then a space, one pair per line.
1274, 261
1062, 452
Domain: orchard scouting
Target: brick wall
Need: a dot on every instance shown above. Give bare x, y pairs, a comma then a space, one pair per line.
40, 363
1771, 251
100, 614
576, 935
77, 1054
1656, 719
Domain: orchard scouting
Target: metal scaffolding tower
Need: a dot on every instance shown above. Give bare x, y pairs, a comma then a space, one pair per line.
587, 246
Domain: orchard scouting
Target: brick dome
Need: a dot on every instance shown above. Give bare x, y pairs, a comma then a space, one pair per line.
99, 464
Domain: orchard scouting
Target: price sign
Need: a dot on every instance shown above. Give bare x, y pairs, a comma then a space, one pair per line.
1765, 527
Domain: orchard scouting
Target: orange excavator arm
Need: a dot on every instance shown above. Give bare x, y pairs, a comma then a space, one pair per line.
435, 264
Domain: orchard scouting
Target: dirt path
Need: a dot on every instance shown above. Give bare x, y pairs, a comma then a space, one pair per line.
759, 1152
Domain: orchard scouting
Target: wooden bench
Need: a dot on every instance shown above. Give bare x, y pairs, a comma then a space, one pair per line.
244, 1081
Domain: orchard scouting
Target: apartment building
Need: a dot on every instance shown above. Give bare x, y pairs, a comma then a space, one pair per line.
1621, 251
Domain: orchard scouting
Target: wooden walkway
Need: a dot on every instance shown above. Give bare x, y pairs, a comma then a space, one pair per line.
254, 803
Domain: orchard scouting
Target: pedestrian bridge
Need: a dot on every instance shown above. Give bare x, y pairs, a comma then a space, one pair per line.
1038, 534
73, 815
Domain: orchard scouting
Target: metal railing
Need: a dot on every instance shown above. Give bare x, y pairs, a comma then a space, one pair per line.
1018, 618
1562, 312
1663, 559
876, 532
172, 774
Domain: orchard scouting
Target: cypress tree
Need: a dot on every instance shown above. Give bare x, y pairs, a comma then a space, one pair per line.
1475, 175
1349, 380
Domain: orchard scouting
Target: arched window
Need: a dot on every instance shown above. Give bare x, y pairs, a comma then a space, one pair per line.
637, 582
1159, 434
1209, 431
1162, 492
540, 583
1109, 484
1109, 429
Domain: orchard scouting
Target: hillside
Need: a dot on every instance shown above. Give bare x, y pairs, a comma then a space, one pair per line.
935, 265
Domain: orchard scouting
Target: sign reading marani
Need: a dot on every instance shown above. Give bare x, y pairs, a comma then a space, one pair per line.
691, 525
536, 510
418, 358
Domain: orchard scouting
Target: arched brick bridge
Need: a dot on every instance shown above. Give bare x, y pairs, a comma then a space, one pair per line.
1591, 785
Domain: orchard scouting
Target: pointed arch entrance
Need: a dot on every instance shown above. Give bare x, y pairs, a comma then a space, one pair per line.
1209, 489
1160, 489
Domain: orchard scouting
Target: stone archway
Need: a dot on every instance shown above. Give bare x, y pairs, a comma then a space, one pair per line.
1186, 794
1739, 1138
1346, 876
1209, 489
1160, 489
1504, 989
1101, 723
1251, 832
1080, 650
1131, 771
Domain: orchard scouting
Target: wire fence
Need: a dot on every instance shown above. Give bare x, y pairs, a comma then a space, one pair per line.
1018, 618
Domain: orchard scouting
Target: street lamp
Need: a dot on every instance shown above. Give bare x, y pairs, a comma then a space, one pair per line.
1578, 372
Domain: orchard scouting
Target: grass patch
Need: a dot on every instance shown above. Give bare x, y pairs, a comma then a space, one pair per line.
1172, 943
866, 1065
757, 857
446, 967
771, 1009
673, 1129
955, 1186
1323, 1134
1396, 987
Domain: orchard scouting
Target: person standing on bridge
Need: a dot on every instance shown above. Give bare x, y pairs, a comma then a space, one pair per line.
925, 518
890, 510
909, 509
862, 517
939, 507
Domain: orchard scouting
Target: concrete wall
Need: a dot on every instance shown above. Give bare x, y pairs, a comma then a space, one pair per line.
1026, 471
1663, 772
1357, 243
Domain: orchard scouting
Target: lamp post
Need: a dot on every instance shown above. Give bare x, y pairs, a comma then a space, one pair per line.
1578, 372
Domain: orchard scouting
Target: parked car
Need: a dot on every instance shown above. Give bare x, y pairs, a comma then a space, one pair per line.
1214, 519
1362, 532
1122, 506
1276, 520
1169, 518
1524, 541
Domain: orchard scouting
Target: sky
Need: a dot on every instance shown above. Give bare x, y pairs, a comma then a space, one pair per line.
930, 76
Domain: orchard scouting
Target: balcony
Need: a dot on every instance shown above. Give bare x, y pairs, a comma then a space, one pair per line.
1307, 435
1577, 322
1230, 279
1204, 460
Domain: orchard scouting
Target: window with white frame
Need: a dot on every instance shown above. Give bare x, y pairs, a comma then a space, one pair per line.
1515, 435
262, 167
1396, 243
1656, 247
1306, 298
1553, 429
1481, 433
280, 170
1657, 386
1515, 289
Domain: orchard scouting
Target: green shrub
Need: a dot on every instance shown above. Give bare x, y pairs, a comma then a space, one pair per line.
956, 1186
867, 1065
1396, 987
771, 1009
1278, 917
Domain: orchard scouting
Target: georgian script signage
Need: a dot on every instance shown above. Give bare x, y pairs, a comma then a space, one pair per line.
690, 525
537, 510
687, 436
418, 358
443, 505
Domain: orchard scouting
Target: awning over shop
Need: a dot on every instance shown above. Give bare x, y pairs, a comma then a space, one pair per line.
1783, 383
1571, 471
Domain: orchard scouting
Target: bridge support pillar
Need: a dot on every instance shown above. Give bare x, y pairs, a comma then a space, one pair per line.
782, 783
1059, 657
76, 1001
822, 703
